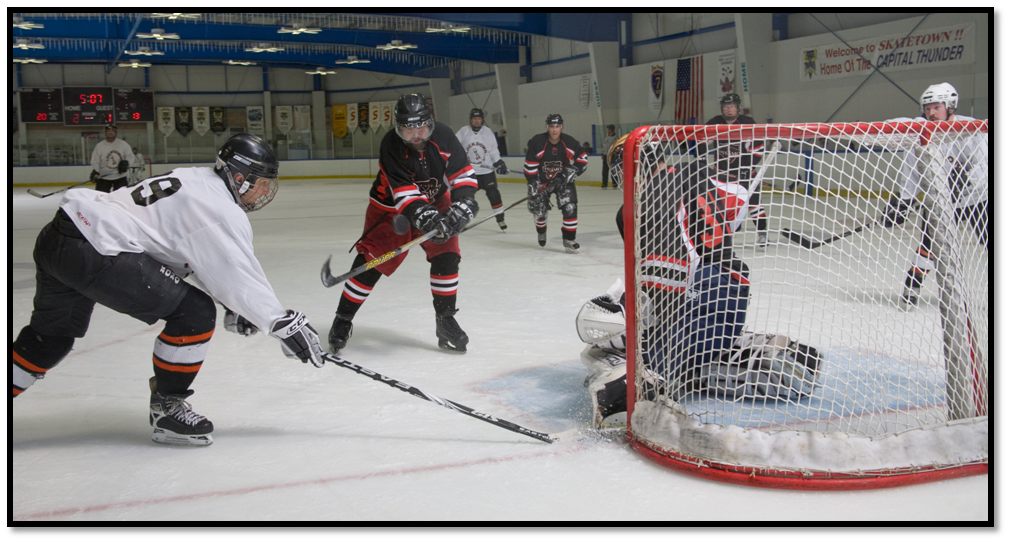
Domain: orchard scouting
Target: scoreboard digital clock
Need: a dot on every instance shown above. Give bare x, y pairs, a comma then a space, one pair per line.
134, 105
41, 105
88, 106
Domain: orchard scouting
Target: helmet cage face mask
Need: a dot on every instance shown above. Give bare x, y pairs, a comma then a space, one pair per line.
429, 123
413, 112
253, 173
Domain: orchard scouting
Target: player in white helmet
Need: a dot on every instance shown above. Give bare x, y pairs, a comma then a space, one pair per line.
966, 168
482, 151
129, 251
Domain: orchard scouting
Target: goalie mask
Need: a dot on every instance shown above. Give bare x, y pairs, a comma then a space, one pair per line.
250, 157
414, 120
651, 157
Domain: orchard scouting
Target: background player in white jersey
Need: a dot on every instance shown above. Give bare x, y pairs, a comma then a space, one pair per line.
110, 161
548, 155
129, 250
966, 168
482, 151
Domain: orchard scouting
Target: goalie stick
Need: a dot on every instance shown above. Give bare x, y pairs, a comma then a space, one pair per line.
545, 437
39, 195
806, 242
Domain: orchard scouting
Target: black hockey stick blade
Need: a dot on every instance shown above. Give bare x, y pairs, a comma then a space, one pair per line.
402, 386
328, 280
804, 242
39, 195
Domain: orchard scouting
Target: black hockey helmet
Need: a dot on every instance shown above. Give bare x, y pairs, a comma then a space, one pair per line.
252, 157
112, 127
731, 98
413, 111
476, 112
554, 118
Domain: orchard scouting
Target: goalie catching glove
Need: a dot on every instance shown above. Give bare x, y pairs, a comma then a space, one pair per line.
236, 323
298, 338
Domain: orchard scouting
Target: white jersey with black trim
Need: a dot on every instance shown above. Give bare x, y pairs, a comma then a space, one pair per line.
106, 157
965, 158
481, 148
188, 221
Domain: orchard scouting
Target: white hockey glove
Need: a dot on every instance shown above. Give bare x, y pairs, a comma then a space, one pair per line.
298, 338
236, 323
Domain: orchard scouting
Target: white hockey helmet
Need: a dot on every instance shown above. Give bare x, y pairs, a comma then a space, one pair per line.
943, 93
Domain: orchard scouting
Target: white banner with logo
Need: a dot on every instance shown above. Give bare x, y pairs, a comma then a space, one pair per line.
201, 120
656, 80
254, 117
166, 120
302, 117
374, 114
929, 48
584, 91
727, 71
285, 119
385, 115
351, 117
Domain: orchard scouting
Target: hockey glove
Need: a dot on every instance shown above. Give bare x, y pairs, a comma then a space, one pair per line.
580, 168
568, 174
94, 176
123, 166
236, 323
459, 214
298, 338
427, 218
500, 167
896, 212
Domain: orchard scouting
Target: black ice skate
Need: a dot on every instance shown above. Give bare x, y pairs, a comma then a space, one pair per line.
450, 335
910, 296
571, 247
541, 236
501, 223
342, 330
175, 422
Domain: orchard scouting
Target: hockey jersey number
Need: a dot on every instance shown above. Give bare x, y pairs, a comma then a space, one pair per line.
155, 189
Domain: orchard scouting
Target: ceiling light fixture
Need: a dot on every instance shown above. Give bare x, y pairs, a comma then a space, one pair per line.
447, 27
238, 63
134, 64
396, 45
174, 16
299, 29
26, 25
264, 48
31, 60
158, 34
21, 43
352, 59
146, 51
321, 71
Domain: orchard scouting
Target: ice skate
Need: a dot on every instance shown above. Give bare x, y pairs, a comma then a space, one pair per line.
910, 296
501, 223
450, 335
174, 421
571, 247
762, 239
342, 330
541, 237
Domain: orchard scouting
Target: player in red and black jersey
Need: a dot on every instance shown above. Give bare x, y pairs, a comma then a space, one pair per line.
549, 153
740, 159
424, 175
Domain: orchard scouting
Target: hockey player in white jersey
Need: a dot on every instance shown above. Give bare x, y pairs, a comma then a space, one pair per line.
482, 152
110, 161
129, 250
966, 169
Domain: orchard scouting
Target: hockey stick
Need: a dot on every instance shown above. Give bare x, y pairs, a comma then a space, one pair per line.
38, 195
328, 280
806, 242
403, 386
543, 188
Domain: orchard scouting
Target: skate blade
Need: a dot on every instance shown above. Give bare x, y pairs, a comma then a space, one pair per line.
163, 436
445, 345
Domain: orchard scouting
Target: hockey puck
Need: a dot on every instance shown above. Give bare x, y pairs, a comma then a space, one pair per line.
400, 224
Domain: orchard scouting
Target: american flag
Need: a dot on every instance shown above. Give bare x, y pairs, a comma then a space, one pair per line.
689, 90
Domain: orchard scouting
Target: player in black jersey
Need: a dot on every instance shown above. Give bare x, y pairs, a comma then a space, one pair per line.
740, 160
423, 175
549, 153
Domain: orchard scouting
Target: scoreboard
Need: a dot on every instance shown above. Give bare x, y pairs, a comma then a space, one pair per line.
41, 105
134, 105
88, 106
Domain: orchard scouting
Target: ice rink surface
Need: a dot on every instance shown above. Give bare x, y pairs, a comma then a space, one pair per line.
296, 443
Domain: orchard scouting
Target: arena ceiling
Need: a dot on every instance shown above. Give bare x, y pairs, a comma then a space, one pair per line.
297, 40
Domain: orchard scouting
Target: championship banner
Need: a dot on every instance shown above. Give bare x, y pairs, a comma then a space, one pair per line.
727, 71
385, 115
166, 120
254, 118
184, 120
218, 120
351, 117
584, 90
362, 116
931, 48
374, 114
339, 121
303, 117
430, 103
201, 120
656, 78
285, 118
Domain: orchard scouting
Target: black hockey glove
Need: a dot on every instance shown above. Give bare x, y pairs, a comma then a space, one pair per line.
236, 323
427, 219
501, 168
459, 214
94, 176
896, 212
568, 174
298, 338
123, 166
580, 168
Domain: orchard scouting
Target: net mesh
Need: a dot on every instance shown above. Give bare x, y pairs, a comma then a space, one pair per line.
845, 324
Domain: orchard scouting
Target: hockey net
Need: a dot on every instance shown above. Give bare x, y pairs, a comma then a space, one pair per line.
901, 391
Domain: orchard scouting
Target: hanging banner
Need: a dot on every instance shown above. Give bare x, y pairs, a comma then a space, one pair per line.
339, 121
351, 117
362, 116
201, 120
285, 118
930, 48
375, 114
430, 103
184, 120
303, 117
385, 114
689, 90
254, 117
166, 120
218, 120
584, 90
656, 80
727, 71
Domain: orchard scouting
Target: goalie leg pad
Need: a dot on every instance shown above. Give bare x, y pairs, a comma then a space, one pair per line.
764, 365
607, 384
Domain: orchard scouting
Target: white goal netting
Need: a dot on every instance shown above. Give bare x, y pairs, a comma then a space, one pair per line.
859, 348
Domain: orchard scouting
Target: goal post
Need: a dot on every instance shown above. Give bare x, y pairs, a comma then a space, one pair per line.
898, 394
